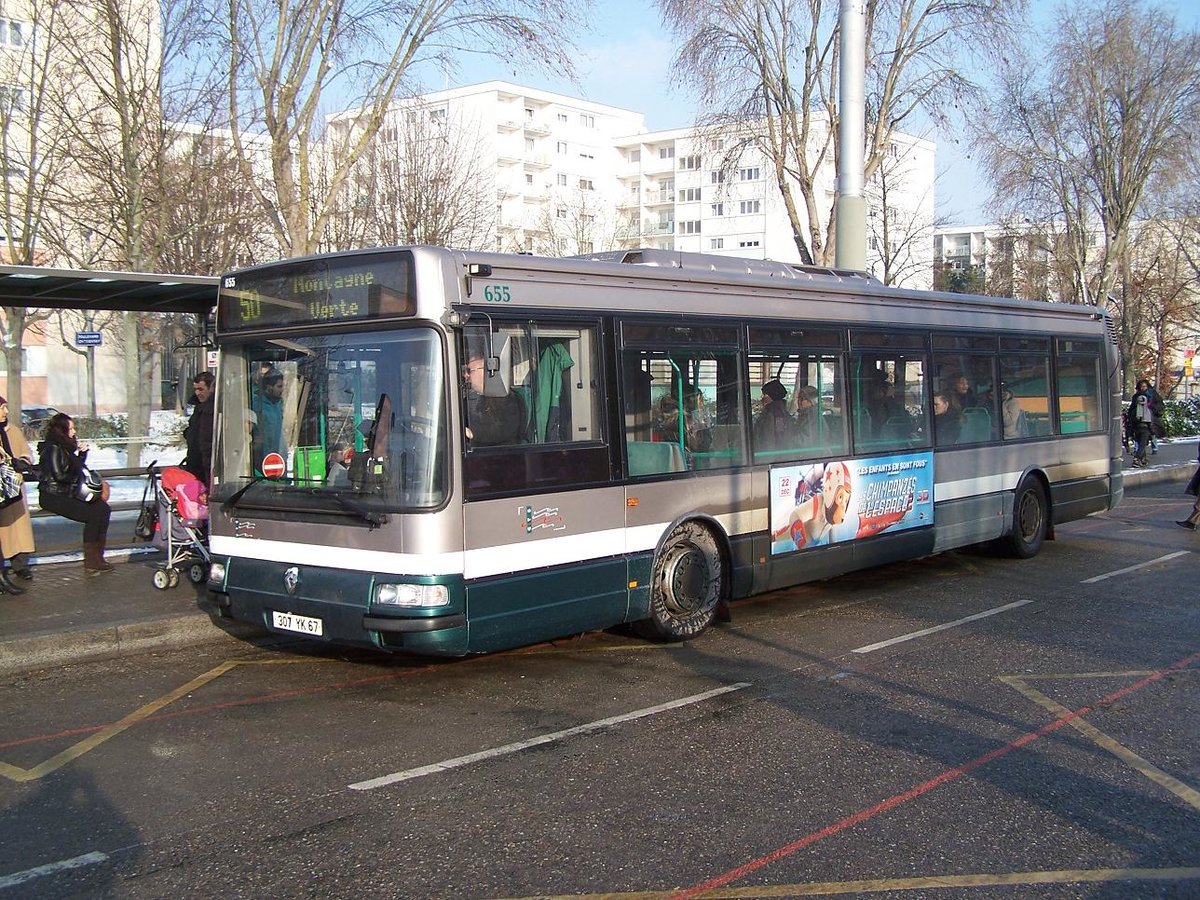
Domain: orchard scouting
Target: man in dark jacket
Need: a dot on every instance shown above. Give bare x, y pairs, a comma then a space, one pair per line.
199, 431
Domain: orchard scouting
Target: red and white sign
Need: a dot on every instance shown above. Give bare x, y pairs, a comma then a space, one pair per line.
273, 465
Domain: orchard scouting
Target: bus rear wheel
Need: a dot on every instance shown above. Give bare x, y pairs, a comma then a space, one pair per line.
685, 585
1031, 516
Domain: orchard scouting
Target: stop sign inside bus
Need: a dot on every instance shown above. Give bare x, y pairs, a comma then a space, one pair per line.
273, 465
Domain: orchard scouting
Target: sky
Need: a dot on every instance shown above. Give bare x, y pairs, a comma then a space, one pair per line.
624, 61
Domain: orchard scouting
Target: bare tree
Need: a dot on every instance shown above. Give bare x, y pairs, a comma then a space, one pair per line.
574, 221
1080, 131
899, 230
768, 69
422, 181
285, 57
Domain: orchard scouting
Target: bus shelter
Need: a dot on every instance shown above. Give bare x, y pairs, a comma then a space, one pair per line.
37, 287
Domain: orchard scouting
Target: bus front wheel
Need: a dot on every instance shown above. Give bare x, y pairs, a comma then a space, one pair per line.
1031, 516
685, 586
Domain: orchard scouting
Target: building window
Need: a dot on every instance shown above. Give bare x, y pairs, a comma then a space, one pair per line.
718, 209
716, 243
561, 212
746, 207
12, 33
587, 121
717, 178
586, 247
872, 243
690, 162
561, 117
689, 195
749, 242
666, 152
585, 184
690, 227
437, 115
633, 155
529, 178
751, 173
528, 145
12, 98
561, 148
562, 180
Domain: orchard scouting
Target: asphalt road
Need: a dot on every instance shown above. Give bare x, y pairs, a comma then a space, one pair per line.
960, 726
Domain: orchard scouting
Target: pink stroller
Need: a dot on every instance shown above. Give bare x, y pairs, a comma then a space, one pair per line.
182, 525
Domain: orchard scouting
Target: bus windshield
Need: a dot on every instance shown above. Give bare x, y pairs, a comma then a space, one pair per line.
346, 424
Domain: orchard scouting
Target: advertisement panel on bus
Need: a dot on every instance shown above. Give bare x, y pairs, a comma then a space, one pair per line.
816, 504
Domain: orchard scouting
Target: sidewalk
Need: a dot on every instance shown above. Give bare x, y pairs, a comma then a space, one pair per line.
67, 617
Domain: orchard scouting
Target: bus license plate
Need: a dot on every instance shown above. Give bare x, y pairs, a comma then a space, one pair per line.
299, 624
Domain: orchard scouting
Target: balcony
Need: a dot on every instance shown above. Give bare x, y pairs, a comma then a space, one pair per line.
660, 227
660, 198
536, 161
508, 125
537, 127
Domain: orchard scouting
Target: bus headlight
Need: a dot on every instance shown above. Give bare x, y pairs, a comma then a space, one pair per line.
216, 574
410, 595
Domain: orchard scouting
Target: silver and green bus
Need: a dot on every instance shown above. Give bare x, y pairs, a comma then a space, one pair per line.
447, 452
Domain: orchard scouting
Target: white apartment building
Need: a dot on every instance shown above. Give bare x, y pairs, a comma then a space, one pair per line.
572, 176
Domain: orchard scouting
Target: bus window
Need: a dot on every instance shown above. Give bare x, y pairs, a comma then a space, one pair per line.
967, 381
532, 383
888, 402
806, 420
1077, 387
1026, 375
683, 410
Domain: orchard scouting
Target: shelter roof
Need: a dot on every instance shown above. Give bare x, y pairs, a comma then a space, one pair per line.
38, 286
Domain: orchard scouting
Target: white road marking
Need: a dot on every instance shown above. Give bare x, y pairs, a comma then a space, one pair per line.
77, 862
518, 746
1135, 568
936, 628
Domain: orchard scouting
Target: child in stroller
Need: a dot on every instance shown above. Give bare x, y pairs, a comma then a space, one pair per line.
177, 522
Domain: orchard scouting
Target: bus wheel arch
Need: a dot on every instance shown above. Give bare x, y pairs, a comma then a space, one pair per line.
688, 582
1031, 524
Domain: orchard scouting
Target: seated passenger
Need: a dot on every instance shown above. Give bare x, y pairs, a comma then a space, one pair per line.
696, 434
774, 429
1012, 414
947, 421
490, 420
806, 415
961, 396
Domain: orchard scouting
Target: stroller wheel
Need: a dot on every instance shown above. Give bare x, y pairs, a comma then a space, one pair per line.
173, 575
162, 579
198, 572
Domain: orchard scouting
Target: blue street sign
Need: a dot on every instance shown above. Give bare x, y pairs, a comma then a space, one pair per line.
87, 338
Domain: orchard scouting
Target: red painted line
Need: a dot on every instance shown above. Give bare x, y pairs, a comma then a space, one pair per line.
925, 787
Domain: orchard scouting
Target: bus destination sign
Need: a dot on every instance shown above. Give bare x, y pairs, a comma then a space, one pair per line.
315, 291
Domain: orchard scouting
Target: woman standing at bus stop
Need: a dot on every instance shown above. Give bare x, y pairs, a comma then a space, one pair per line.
16, 528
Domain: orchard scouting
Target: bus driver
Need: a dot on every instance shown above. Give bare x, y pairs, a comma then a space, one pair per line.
490, 420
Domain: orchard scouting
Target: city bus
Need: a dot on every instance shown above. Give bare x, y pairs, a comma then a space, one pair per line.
446, 452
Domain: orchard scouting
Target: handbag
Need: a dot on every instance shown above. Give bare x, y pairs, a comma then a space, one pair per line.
89, 486
11, 484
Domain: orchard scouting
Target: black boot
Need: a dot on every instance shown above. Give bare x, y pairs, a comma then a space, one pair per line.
10, 586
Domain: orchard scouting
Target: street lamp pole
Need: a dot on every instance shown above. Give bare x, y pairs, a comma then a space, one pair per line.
850, 242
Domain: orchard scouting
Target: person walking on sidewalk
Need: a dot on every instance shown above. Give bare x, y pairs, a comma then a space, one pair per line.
1193, 488
63, 459
16, 528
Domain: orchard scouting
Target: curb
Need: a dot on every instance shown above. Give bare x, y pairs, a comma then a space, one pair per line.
1159, 474
46, 650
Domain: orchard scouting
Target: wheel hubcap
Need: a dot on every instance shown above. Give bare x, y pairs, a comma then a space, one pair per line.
686, 579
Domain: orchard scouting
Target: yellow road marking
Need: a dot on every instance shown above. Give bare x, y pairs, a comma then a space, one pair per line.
876, 885
1184, 792
94, 740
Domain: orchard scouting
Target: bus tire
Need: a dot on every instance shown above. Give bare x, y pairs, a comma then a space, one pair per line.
685, 586
1031, 517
